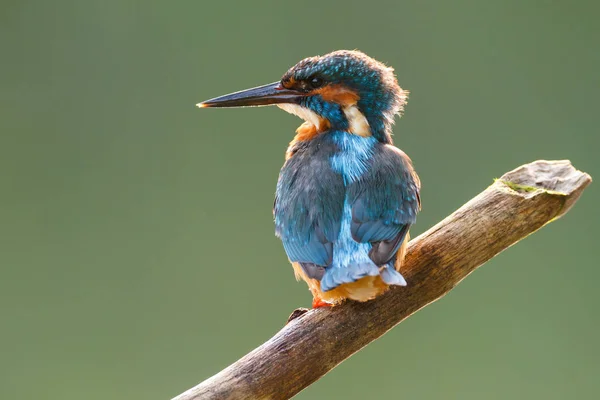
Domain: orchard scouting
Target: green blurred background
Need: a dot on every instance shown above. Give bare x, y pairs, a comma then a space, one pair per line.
137, 249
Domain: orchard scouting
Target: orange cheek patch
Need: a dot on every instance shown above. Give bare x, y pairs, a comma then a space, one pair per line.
338, 94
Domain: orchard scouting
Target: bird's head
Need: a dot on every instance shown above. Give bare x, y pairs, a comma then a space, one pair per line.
343, 90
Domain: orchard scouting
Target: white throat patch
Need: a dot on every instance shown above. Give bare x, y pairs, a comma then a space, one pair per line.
304, 113
357, 122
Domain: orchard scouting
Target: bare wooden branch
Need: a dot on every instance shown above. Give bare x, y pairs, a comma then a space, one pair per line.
516, 205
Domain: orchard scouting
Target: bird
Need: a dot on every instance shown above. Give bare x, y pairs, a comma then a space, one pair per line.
346, 196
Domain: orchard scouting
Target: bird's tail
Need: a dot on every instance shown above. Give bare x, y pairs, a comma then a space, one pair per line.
337, 275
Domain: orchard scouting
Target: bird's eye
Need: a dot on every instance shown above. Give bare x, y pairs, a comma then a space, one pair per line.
315, 82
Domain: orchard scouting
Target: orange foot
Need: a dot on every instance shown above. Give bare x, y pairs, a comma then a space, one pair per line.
317, 303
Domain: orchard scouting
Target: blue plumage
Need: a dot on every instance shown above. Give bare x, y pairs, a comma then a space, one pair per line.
308, 215
380, 96
345, 203
346, 197
353, 156
367, 214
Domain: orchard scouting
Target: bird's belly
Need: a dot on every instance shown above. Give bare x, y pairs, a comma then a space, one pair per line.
363, 289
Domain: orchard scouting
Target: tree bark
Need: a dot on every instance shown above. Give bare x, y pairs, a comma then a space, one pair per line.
516, 205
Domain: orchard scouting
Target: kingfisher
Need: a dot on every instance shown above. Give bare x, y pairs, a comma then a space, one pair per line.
346, 196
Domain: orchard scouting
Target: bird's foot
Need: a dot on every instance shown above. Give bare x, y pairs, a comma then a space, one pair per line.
318, 303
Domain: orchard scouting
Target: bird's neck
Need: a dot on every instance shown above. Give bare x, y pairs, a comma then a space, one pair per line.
336, 117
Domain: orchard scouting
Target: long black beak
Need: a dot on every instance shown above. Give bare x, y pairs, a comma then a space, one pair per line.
272, 93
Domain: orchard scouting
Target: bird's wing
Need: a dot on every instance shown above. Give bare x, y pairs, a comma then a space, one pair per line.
308, 208
385, 202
